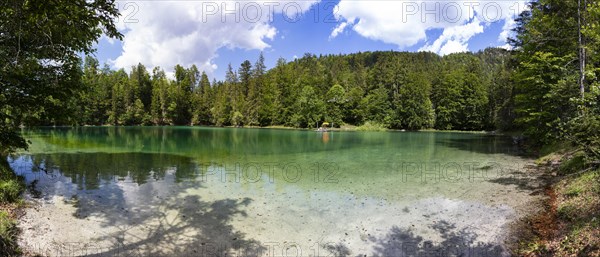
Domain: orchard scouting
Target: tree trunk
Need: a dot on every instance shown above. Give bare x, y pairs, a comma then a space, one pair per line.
582, 54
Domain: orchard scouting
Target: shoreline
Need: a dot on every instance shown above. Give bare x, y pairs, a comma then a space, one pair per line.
565, 222
520, 230
347, 128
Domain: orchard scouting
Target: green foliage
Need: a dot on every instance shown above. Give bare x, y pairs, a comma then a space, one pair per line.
40, 46
376, 107
160, 97
584, 132
237, 118
11, 188
577, 202
222, 108
206, 100
553, 63
10, 138
543, 98
136, 114
414, 110
573, 164
371, 126
269, 112
352, 113
310, 109
398, 90
550, 68
334, 101
566, 212
8, 235
460, 98
254, 92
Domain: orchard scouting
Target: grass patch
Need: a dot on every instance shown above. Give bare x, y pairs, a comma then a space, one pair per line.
11, 187
8, 235
579, 210
566, 211
573, 164
582, 194
581, 239
548, 159
534, 247
10, 190
557, 147
371, 126
573, 191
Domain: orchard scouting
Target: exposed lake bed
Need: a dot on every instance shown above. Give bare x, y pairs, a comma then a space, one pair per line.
207, 192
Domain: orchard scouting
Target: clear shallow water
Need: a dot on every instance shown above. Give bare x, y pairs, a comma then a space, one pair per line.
266, 192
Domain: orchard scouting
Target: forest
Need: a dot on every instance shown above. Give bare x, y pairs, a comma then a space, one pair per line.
398, 90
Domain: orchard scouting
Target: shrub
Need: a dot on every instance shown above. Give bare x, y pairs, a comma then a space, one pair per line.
10, 190
8, 235
371, 126
584, 132
575, 163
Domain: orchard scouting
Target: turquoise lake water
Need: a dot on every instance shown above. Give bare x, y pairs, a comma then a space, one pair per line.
217, 191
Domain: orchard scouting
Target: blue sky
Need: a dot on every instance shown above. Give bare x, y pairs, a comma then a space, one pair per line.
212, 34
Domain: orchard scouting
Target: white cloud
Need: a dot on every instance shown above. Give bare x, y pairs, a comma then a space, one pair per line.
453, 46
405, 23
338, 29
455, 39
165, 33
506, 33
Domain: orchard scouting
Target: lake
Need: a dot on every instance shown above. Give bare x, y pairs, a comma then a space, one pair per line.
199, 191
